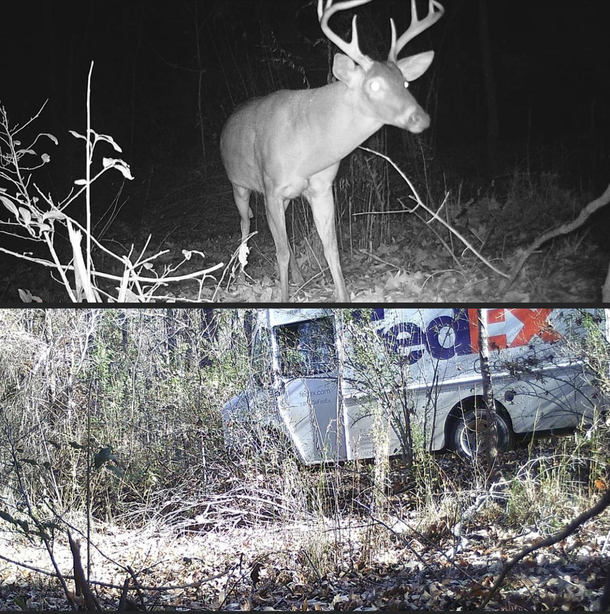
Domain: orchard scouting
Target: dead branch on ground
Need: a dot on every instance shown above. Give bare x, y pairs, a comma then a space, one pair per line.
563, 229
598, 508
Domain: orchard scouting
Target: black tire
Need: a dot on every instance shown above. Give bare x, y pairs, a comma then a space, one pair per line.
463, 433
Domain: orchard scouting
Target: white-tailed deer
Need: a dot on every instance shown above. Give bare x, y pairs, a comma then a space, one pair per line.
290, 143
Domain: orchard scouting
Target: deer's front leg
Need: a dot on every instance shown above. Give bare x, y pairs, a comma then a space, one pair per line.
276, 217
319, 193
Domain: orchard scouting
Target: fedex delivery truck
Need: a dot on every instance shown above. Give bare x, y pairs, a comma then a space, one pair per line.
311, 377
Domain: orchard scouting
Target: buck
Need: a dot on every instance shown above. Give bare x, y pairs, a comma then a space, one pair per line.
290, 143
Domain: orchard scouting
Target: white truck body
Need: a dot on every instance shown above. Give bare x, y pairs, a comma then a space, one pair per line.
306, 385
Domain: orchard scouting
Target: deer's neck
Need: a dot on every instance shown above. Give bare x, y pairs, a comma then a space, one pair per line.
332, 123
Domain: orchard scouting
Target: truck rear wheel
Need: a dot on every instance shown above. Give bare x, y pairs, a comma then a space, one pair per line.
463, 437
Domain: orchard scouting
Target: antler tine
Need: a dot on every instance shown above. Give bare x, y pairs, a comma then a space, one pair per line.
416, 27
352, 48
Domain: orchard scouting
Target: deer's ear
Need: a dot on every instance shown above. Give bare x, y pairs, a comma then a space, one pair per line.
345, 69
415, 66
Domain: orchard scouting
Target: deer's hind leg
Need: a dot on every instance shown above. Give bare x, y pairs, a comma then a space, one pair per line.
242, 201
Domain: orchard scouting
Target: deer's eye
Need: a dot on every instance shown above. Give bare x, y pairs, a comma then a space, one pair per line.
375, 86
406, 84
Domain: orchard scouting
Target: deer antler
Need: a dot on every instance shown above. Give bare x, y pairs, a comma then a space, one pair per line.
351, 49
416, 27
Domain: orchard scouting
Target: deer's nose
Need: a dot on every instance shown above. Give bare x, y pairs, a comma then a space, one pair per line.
418, 121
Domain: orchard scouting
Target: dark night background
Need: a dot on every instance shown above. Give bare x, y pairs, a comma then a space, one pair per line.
167, 73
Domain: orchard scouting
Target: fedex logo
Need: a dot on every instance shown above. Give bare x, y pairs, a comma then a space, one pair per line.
457, 334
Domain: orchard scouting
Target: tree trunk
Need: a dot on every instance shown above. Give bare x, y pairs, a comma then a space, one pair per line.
491, 97
488, 414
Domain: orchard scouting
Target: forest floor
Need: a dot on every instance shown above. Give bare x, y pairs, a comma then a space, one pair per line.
399, 256
399, 558
393, 256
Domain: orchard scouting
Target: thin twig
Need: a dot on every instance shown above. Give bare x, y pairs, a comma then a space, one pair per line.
435, 215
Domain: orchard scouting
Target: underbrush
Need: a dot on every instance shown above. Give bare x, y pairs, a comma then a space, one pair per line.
282, 529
